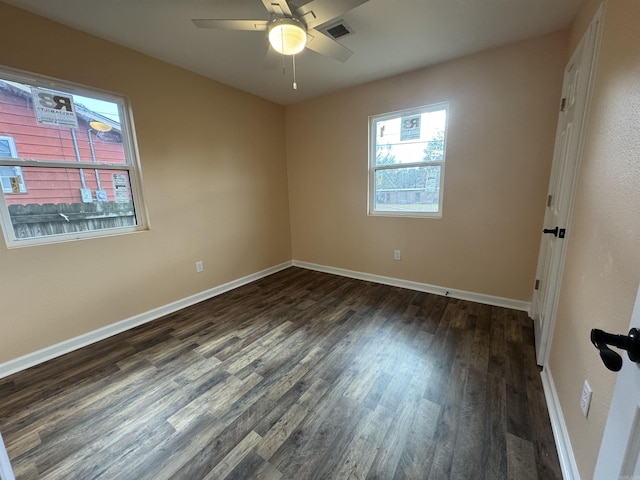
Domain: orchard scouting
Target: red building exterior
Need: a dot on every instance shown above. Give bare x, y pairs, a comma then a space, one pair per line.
23, 137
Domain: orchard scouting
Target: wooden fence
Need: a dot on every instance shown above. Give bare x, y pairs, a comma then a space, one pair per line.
54, 219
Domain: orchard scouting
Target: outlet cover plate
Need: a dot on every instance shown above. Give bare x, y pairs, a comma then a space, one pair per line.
585, 398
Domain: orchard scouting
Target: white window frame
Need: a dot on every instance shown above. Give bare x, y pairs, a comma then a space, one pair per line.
132, 166
17, 170
373, 168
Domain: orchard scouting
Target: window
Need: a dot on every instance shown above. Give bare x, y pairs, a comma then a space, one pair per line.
406, 162
68, 162
10, 177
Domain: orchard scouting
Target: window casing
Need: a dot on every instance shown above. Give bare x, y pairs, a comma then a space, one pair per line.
73, 172
406, 162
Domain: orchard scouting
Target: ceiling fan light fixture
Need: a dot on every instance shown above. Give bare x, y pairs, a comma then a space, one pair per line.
287, 36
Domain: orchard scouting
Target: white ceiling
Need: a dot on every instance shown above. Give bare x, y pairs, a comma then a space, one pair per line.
391, 36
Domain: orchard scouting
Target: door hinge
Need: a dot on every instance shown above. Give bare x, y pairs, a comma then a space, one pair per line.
537, 287
562, 232
549, 200
563, 104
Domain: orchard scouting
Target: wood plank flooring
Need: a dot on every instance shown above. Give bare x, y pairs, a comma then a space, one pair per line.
301, 375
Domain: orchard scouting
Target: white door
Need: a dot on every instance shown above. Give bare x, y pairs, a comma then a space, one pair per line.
567, 152
618, 457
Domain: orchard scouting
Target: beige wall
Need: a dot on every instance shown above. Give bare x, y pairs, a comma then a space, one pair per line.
602, 267
215, 185
502, 118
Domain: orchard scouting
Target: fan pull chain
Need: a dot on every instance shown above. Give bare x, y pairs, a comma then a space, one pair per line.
293, 59
295, 85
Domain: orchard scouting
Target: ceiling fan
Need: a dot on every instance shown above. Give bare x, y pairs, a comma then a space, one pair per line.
291, 28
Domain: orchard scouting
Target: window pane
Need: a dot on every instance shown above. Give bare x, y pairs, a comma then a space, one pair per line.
410, 138
408, 189
69, 200
12, 181
90, 132
5, 149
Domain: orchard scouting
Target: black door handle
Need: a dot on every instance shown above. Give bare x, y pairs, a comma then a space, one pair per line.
612, 360
557, 232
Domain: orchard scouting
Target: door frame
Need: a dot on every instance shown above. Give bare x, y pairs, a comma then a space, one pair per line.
6, 473
619, 428
543, 345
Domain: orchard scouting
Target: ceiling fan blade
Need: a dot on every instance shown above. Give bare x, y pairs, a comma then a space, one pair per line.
318, 12
320, 43
279, 8
253, 25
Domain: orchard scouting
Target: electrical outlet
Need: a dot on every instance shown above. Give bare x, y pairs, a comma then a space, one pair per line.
396, 254
585, 398
199, 266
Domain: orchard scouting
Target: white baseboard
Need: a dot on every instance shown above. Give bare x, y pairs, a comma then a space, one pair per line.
421, 287
560, 433
53, 351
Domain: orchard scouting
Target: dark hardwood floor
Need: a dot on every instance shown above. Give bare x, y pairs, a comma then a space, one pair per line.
299, 375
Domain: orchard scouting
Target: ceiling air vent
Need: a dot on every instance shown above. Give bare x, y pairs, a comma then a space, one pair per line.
338, 30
